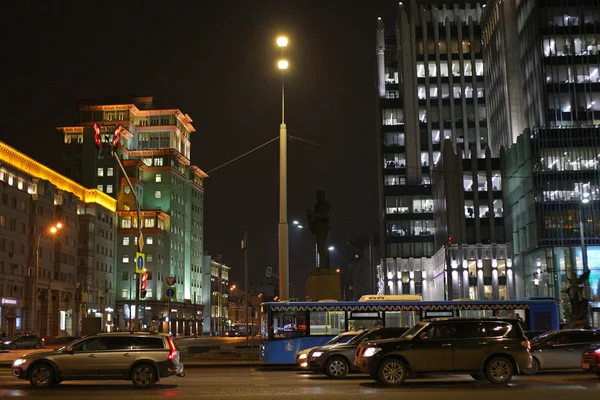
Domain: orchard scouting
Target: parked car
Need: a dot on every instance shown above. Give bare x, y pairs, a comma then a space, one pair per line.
302, 356
337, 360
141, 357
560, 349
590, 359
24, 342
492, 347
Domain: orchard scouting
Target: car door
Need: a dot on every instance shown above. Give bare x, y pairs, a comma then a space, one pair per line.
84, 360
574, 344
118, 357
470, 345
431, 350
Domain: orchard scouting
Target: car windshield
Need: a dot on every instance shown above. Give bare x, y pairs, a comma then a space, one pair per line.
341, 339
409, 334
357, 339
540, 338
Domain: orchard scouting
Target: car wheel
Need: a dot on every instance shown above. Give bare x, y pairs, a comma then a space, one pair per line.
41, 376
12, 346
38, 346
143, 376
499, 370
535, 367
392, 372
336, 368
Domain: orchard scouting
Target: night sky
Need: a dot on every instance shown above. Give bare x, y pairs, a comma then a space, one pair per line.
216, 63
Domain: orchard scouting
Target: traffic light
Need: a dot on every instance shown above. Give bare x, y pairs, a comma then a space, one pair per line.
144, 285
97, 138
117, 137
449, 239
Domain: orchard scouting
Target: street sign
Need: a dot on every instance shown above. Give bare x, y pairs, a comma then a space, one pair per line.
140, 261
141, 242
269, 272
170, 292
170, 280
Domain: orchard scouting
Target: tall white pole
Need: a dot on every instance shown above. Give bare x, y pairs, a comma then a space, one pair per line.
283, 225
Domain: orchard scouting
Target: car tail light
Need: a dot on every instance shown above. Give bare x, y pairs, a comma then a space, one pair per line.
526, 343
43, 339
597, 353
173, 349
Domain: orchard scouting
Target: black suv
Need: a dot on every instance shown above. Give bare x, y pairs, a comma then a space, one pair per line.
495, 348
336, 360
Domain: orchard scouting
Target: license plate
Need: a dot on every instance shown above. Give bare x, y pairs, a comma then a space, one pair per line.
585, 366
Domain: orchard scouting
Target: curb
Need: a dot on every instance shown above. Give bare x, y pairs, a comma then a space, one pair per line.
279, 367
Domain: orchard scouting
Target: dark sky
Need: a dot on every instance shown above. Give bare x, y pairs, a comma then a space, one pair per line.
217, 64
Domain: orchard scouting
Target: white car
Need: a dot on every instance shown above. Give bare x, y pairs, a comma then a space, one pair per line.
302, 356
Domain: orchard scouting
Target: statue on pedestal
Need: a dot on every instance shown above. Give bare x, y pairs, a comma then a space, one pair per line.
319, 224
577, 315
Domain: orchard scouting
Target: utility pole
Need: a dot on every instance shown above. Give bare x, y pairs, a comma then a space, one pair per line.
245, 248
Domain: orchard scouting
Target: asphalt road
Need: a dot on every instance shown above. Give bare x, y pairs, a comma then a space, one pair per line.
257, 383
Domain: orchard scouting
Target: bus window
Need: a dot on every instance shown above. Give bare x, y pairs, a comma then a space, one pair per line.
360, 324
400, 319
517, 314
288, 325
476, 313
327, 322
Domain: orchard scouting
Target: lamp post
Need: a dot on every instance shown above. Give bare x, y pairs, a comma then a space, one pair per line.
52, 230
284, 269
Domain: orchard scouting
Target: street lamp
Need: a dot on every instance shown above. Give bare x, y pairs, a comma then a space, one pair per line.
283, 234
52, 230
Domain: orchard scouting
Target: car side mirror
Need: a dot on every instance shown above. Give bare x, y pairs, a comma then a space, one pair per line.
69, 349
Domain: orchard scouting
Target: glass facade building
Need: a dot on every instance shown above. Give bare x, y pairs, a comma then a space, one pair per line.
430, 90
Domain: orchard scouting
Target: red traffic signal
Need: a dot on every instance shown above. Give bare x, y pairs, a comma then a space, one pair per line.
144, 281
449, 239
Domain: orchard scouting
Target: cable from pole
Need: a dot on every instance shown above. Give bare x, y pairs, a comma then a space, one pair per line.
243, 155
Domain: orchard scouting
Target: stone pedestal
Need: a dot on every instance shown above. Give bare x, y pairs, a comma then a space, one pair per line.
323, 284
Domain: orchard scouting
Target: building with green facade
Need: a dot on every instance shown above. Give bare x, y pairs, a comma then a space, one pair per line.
155, 149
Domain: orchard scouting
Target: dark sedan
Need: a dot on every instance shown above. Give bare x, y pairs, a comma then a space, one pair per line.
24, 342
336, 361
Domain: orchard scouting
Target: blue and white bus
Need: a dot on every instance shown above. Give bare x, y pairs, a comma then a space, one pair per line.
287, 328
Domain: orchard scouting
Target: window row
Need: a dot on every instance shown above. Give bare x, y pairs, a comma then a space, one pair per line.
484, 209
481, 181
579, 73
571, 45
445, 92
410, 228
443, 47
109, 171
403, 204
453, 67
414, 249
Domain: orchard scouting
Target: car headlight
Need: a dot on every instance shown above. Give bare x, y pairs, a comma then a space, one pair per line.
6, 342
302, 356
19, 361
371, 351
317, 354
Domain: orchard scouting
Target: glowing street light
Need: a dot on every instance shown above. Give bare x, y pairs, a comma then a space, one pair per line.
337, 270
283, 64
295, 222
282, 41
331, 248
52, 230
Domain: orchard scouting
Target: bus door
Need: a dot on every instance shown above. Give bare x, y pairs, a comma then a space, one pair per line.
358, 320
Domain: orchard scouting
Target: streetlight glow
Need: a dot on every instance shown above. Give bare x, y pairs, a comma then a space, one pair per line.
331, 248
337, 270
295, 222
282, 41
58, 225
283, 64
53, 229
300, 227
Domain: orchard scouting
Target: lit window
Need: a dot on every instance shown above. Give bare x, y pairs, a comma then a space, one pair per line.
149, 257
148, 161
100, 188
158, 194
125, 240
158, 162
109, 172
109, 188
158, 178
125, 259
124, 293
127, 189
149, 240
100, 171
